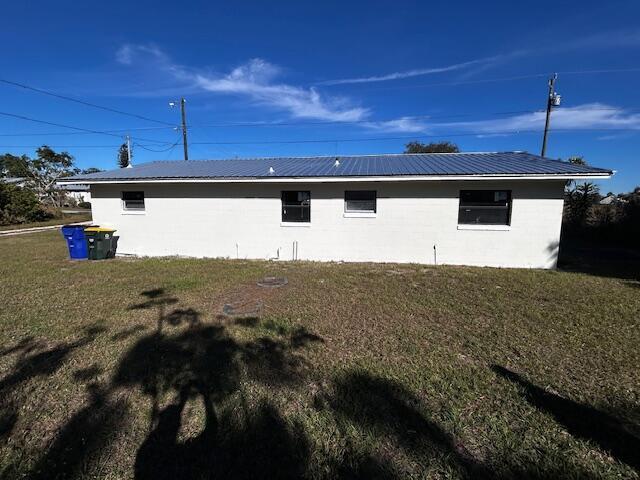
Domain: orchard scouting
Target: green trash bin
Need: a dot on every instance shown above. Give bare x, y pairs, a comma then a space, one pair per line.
100, 242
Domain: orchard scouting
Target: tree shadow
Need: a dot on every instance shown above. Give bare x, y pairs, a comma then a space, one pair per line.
582, 421
80, 443
186, 361
204, 363
599, 260
34, 359
391, 412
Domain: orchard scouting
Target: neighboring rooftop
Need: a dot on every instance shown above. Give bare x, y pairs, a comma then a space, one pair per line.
431, 164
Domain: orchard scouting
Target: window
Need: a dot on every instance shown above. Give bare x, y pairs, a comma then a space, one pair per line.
360, 201
485, 207
133, 200
296, 206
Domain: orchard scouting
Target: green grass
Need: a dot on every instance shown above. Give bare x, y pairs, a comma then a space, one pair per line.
128, 367
66, 218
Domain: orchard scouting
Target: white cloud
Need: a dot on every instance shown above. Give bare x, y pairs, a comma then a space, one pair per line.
402, 124
481, 63
399, 75
128, 53
587, 116
254, 80
605, 40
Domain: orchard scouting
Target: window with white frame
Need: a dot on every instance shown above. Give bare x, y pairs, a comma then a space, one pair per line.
296, 206
360, 201
133, 201
485, 207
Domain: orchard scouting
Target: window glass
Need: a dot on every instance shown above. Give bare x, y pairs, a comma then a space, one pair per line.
133, 200
485, 207
296, 206
363, 201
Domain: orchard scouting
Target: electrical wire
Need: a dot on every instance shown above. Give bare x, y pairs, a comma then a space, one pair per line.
82, 102
146, 147
341, 140
80, 129
327, 122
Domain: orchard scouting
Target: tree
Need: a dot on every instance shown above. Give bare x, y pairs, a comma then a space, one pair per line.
45, 170
580, 200
577, 160
90, 170
123, 156
19, 205
433, 147
13, 166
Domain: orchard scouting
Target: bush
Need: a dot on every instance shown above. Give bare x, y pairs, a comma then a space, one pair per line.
84, 204
20, 205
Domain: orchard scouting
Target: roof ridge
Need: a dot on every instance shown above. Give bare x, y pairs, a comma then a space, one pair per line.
323, 157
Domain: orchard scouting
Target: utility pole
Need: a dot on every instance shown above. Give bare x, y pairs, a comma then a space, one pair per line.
129, 165
553, 100
184, 125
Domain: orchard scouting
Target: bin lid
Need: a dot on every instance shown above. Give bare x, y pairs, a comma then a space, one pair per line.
99, 229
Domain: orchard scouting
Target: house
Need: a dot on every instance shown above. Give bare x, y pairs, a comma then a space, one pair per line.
79, 192
17, 181
486, 209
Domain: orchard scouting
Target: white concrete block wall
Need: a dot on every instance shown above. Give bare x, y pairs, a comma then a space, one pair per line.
243, 220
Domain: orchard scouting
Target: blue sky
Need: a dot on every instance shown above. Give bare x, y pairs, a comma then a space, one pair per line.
367, 77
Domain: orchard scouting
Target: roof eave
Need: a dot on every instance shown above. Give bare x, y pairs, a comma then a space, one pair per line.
337, 179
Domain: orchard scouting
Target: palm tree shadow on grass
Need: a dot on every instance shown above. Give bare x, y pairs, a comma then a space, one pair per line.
187, 360
393, 413
34, 359
582, 421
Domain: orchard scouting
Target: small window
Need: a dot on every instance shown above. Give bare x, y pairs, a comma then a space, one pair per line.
133, 200
485, 207
296, 206
360, 201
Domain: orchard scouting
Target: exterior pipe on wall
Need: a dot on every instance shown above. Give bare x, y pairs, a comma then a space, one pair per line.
435, 255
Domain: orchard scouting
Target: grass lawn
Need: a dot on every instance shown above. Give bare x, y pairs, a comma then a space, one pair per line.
130, 368
66, 218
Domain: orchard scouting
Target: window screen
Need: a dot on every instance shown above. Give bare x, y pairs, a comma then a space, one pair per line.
485, 207
360, 201
133, 200
296, 206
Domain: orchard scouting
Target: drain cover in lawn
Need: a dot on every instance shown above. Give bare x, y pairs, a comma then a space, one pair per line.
272, 282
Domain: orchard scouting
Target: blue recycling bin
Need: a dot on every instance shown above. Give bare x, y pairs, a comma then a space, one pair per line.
76, 241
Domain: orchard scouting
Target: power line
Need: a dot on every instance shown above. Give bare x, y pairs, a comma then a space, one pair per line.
416, 136
120, 130
82, 102
340, 140
80, 129
324, 122
274, 124
170, 147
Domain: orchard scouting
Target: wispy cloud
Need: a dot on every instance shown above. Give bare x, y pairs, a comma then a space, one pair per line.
402, 124
255, 80
587, 116
604, 40
404, 74
485, 62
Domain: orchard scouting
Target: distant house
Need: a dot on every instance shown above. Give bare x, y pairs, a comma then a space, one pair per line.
488, 209
17, 181
79, 192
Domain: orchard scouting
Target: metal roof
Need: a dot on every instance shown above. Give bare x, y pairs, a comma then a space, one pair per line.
431, 164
